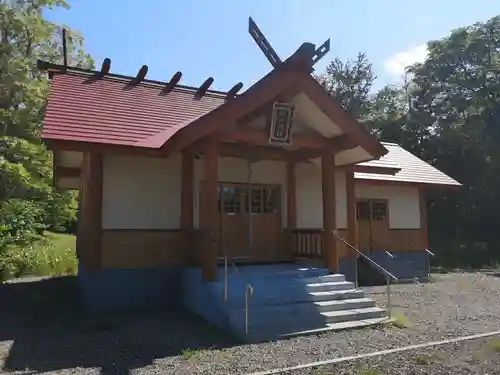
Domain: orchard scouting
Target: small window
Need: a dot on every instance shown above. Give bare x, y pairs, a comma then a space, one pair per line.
271, 200
231, 200
363, 210
379, 211
256, 200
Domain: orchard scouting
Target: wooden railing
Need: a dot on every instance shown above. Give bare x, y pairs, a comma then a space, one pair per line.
307, 243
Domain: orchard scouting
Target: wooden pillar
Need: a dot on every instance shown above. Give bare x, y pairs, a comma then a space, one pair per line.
291, 204
210, 231
330, 246
423, 218
187, 193
352, 223
90, 215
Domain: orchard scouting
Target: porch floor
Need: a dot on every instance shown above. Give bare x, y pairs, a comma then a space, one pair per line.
254, 273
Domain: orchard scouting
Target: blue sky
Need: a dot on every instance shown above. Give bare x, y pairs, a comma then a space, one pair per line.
205, 38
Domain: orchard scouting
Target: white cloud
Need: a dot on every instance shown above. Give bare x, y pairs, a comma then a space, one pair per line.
396, 64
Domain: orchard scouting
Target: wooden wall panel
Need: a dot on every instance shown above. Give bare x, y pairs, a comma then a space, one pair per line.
308, 243
405, 240
141, 248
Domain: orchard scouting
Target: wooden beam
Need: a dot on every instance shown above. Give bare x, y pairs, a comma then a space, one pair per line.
187, 195
90, 225
233, 91
423, 217
203, 88
352, 223
210, 224
372, 169
241, 150
259, 137
330, 246
172, 83
62, 145
291, 204
342, 142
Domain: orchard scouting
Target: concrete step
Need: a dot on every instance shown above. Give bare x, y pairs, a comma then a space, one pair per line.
294, 279
335, 295
353, 314
283, 330
345, 304
272, 296
333, 278
356, 324
305, 310
329, 286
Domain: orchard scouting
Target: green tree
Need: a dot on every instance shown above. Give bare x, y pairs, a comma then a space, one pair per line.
459, 90
350, 83
446, 111
25, 164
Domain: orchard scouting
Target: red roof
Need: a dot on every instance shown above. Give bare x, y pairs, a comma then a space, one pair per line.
109, 110
86, 107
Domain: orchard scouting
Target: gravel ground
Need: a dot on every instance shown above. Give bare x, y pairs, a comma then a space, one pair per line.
57, 340
478, 356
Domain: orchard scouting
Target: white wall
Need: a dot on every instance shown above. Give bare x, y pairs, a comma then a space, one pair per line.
145, 193
141, 192
403, 201
404, 205
310, 197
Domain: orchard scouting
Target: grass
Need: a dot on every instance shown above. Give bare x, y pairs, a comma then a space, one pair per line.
368, 371
494, 345
400, 320
359, 371
421, 360
188, 353
53, 255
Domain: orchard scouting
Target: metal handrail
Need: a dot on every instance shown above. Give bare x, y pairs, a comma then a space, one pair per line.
388, 275
249, 289
378, 266
430, 254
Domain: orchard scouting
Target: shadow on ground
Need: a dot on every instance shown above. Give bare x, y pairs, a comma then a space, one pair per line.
49, 332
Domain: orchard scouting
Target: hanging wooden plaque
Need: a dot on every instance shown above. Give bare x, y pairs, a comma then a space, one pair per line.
281, 123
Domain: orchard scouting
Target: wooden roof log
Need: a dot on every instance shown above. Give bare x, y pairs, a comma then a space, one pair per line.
106, 66
232, 93
65, 49
141, 74
203, 88
171, 84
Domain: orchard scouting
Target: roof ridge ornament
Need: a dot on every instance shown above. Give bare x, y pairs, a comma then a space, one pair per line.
273, 57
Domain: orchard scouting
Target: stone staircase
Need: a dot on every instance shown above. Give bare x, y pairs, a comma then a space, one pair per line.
291, 300
304, 301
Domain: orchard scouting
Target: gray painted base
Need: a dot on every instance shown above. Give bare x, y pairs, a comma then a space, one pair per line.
406, 265
130, 288
170, 287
